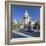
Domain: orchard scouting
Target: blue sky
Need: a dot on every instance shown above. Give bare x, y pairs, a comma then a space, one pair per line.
18, 12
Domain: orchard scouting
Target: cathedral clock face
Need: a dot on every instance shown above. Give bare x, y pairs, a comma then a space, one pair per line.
25, 21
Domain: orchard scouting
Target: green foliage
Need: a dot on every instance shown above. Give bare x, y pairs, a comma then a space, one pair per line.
16, 25
37, 25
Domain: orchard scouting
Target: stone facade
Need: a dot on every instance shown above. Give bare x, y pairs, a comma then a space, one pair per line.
26, 21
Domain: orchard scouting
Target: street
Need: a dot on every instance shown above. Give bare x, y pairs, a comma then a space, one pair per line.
24, 34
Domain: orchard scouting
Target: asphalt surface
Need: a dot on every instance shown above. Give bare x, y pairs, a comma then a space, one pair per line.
28, 32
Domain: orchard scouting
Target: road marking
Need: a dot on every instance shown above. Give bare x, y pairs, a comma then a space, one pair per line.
22, 34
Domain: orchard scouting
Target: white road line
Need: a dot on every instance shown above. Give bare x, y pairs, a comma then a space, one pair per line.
22, 34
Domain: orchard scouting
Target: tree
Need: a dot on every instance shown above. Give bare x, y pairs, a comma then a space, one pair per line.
37, 25
16, 25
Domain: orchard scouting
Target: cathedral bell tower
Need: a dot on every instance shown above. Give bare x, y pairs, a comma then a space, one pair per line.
26, 21
26, 18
